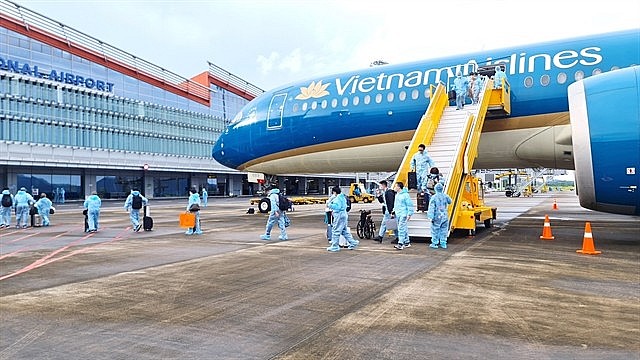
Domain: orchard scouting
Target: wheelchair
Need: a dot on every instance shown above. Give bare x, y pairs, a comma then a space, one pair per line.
366, 228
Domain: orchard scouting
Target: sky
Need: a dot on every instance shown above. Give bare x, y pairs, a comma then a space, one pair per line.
274, 42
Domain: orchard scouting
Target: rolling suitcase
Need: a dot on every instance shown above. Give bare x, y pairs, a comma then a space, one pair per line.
36, 220
147, 221
412, 180
422, 201
85, 212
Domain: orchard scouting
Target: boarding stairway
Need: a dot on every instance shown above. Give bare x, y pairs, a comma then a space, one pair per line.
525, 188
451, 137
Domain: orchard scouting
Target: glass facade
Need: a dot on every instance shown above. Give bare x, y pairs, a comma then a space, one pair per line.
58, 186
40, 111
135, 116
125, 114
117, 187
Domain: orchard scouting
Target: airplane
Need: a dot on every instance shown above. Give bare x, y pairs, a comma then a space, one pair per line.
362, 121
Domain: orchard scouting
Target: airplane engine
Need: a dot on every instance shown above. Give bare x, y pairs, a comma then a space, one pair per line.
605, 125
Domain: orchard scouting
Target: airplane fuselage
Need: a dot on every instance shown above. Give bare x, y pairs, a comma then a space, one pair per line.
363, 120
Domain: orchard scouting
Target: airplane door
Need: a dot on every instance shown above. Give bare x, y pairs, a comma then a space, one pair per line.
276, 109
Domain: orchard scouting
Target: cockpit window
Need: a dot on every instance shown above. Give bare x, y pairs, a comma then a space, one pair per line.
237, 117
252, 115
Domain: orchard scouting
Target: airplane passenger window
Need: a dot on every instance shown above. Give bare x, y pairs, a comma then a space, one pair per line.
562, 78
378, 98
415, 94
402, 95
334, 103
528, 82
544, 80
579, 75
345, 101
596, 71
324, 104
427, 93
367, 99
615, 67
390, 97
356, 100
314, 105
304, 106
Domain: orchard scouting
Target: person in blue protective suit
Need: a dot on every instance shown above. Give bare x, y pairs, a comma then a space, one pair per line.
205, 197
194, 198
44, 206
439, 217
275, 215
461, 86
93, 204
135, 201
499, 78
5, 211
337, 204
23, 201
387, 197
474, 88
403, 209
421, 163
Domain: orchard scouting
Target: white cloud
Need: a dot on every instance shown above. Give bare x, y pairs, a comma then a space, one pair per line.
267, 63
292, 62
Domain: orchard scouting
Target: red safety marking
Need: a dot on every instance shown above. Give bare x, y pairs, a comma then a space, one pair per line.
33, 245
47, 259
21, 238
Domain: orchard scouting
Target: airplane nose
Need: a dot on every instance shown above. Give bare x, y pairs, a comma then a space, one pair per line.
225, 154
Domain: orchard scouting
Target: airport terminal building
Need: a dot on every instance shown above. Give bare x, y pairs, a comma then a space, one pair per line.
78, 115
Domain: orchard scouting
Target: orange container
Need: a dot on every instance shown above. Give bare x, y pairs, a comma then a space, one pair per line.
187, 220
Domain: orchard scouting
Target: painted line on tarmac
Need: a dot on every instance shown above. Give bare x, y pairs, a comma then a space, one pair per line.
20, 238
35, 244
48, 258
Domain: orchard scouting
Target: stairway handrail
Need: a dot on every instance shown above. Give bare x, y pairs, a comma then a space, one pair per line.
464, 160
430, 121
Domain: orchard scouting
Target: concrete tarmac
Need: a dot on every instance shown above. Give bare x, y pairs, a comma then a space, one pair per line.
503, 294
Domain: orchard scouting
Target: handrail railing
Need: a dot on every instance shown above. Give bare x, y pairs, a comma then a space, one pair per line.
229, 78
464, 162
425, 131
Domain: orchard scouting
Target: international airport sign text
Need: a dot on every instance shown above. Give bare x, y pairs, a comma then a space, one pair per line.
64, 77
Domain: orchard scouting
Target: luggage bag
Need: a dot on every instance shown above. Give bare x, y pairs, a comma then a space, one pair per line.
147, 221
412, 180
187, 220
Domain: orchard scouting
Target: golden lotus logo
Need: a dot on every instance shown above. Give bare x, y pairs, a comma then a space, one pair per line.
314, 90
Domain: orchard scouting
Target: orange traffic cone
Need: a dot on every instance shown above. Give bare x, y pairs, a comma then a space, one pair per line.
546, 230
555, 204
587, 242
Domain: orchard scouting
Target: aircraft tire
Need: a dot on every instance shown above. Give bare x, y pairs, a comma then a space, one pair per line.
264, 206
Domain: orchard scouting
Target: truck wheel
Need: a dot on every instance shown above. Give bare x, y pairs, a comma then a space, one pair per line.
352, 199
265, 205
487, 223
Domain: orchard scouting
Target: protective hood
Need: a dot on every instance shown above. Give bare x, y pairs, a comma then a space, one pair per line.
274, 191
135, 192
439, 188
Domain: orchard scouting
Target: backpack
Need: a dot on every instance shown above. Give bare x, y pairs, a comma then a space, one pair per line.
431, 183
348, 203
6, 200
284, 204
136, 202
